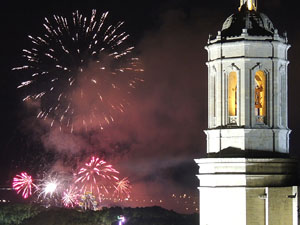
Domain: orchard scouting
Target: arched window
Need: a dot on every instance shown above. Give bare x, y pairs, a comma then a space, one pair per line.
232, 96
260, 100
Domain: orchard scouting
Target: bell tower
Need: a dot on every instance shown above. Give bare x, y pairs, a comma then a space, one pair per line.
248, 176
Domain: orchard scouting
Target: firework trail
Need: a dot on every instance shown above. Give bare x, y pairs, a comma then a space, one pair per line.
96, 176
123, 188
81, 71
23, 183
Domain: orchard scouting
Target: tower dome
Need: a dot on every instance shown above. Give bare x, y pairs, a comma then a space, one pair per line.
256, 23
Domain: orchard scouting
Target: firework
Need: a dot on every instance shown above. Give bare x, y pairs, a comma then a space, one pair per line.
23, 183
96, 176
81, 71
70, 197
123, 188
48, 187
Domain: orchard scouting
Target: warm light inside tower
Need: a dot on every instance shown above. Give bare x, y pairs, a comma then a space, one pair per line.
251, 4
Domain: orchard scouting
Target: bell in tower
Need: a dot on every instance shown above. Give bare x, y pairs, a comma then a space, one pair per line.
248, 176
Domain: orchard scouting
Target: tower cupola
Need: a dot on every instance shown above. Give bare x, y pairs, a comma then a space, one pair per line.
256, 24
247, 85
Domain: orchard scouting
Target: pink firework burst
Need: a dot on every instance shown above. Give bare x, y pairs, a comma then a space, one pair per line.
96, 176
70, 197
23, 183
123, 188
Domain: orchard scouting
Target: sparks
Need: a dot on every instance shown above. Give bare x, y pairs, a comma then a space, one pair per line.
123, 189
48, 187
70, 197
80, 67
95, 176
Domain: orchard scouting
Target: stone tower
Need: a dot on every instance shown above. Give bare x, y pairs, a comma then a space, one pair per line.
248, 177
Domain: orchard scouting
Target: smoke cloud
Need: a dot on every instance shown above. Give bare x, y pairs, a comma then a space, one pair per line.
155, 140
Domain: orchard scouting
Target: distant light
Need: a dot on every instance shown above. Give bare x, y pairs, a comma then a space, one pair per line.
121, 219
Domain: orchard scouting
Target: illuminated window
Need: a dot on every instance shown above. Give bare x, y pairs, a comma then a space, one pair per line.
232, 94
260, 95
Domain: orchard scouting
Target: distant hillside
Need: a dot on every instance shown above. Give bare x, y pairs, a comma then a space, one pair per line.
30, 214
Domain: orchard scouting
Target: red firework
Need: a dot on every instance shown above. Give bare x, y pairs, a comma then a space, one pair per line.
23, 183
96, 176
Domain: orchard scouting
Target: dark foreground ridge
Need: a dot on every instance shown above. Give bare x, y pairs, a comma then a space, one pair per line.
32, 214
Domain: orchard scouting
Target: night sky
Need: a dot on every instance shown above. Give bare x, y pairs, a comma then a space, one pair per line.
155, 141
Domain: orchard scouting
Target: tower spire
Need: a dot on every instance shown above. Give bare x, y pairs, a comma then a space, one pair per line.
250, 4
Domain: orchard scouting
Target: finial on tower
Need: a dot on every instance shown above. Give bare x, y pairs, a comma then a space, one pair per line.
250, 4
